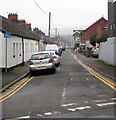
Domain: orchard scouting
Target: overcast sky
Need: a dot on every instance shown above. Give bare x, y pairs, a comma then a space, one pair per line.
75, 14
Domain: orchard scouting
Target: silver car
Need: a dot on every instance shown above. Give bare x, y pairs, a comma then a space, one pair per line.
56, 57
41, 61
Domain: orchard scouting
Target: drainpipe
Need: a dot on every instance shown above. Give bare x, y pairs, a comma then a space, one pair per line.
22, 51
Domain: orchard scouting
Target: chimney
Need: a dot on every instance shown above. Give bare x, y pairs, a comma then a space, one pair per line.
13, 16
28, 25
21, 22
36, 30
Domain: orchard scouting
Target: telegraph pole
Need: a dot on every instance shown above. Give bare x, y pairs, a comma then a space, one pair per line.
49, 24
55, 32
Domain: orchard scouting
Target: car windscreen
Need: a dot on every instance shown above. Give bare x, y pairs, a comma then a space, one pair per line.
40, 56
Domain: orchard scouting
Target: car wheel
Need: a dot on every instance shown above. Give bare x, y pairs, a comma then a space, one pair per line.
54, 70
31, 73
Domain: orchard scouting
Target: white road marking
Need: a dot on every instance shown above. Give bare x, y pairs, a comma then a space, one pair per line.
39, 115
48, 113
113, 98
51, 113
105, 104
70, 104
63, 95
99, 100
23, 117
86, 102
87, 78
79, 108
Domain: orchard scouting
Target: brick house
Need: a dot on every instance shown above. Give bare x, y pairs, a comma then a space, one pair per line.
97, 28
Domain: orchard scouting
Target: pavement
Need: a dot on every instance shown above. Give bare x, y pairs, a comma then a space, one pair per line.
103, 68
20, 72
13, 76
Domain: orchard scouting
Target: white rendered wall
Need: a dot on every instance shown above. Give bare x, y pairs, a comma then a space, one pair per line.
107, 51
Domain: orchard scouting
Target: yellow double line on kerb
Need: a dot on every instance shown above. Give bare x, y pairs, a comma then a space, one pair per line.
16, 89
107, 82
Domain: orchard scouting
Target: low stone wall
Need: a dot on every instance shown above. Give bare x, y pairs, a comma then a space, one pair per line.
108, 51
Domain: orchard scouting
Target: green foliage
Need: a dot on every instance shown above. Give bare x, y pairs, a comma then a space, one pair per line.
95, 39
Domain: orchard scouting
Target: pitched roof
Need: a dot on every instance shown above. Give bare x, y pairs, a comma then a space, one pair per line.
77, 32
102, 18
17, 30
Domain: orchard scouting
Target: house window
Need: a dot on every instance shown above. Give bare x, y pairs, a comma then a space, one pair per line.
31, 47
26, 47
13, 50
16, 49
20, 49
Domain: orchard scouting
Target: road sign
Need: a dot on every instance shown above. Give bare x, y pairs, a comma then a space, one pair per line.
7, 35
42, 38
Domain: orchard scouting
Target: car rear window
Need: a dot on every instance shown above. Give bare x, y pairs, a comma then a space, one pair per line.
40, 56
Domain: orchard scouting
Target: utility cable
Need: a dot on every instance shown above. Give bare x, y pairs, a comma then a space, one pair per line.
40, 8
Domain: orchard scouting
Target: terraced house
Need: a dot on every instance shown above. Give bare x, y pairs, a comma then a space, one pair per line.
20, 44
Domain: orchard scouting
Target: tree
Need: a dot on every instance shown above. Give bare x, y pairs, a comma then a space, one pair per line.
95, 39
103, 38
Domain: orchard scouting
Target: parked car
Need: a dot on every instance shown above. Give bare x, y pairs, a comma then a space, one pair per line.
56, 57
52, 47
41, 61
95, 52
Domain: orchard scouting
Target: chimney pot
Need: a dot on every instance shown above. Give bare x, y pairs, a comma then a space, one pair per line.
21, 22
28, 25
13, 16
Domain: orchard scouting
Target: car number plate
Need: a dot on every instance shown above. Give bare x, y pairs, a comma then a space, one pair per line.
40, 67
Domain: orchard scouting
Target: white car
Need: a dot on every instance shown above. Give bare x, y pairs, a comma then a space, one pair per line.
52, 47
95, 52
56, 57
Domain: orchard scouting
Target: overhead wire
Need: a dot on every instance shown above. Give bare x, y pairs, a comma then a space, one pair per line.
40, 8
44, 12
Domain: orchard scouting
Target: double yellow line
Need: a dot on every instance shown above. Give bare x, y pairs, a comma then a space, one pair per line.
96, 74
16, 89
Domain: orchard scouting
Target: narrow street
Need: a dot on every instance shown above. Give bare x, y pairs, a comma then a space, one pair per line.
70, 93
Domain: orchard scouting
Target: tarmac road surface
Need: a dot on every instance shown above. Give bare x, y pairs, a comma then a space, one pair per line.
73, 92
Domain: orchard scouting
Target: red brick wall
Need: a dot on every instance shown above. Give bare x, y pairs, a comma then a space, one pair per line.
96, 29
13, 16
28, 26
